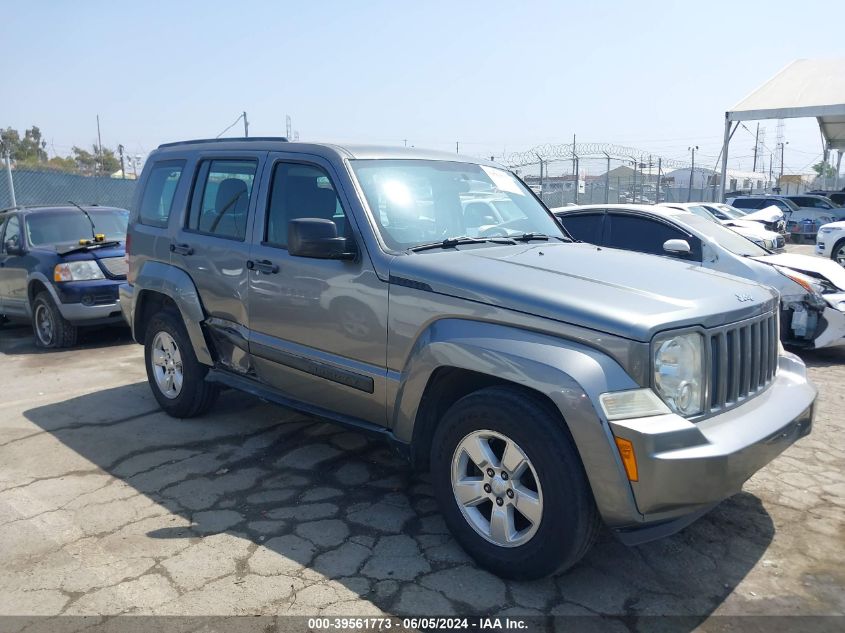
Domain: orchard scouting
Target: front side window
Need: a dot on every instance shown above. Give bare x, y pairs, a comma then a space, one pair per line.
220, 200
47, 228
12, 236
157, 200
634, 233
300, 191
415, 202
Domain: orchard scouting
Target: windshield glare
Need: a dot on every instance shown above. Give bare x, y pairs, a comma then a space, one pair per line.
724, 237
418, 202
68, 227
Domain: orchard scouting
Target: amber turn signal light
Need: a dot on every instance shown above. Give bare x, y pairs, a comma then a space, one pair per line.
629, 459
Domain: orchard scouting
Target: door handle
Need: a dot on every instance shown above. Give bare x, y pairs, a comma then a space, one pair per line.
263, 266
181, 249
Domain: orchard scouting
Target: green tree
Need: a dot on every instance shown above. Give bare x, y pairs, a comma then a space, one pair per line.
28, 150
96, 162
824, 170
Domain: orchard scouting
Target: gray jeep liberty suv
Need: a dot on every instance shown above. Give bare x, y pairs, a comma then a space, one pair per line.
432, 299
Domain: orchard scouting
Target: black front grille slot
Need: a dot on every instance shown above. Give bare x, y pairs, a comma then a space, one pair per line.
743, 360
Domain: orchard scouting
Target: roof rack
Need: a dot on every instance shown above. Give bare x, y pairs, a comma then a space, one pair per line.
242, 139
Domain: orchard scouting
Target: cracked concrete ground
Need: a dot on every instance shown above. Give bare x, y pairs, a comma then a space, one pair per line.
108, 506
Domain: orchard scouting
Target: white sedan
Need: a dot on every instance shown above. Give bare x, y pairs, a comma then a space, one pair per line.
830, 242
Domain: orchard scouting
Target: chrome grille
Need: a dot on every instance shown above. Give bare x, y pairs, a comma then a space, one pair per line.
742, 359
115, 266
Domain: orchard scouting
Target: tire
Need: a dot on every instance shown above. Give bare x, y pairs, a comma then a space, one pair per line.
568, 521
836, 247
51, 329
168, 349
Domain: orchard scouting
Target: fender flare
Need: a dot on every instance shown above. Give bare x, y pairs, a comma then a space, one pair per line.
570, 374
176, 284
41, 277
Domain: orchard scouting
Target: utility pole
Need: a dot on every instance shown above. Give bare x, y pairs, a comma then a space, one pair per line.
691, 172
246, 127
781, 159
99, 144
457, 147
577, 178
122, 166
657, 190
11, 182
541, 176
634, 182
607, 180
756, 146
573, 154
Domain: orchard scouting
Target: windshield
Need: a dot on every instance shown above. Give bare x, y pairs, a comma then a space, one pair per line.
700, 212
729, 211
68, 227
724, 237
418, 202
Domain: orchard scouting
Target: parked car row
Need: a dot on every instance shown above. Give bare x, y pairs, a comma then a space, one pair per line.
633, 376
804, 214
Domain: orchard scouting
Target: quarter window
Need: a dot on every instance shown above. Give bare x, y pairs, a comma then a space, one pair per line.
160, 188
220, 201
301, 191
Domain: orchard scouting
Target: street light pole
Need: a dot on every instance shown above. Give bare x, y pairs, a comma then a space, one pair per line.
691, 172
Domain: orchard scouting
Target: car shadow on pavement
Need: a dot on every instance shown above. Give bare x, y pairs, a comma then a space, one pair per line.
18, 339
281, 513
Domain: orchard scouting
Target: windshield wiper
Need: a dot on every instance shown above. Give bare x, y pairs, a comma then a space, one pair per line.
452, 242
89, 246
529, 237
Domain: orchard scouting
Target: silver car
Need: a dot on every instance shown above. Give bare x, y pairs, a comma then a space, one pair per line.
812, 289
548, 386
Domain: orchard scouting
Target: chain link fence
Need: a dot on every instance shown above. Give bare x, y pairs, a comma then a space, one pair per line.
34, 187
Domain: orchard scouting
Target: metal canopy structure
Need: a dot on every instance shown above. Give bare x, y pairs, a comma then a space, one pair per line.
805, 88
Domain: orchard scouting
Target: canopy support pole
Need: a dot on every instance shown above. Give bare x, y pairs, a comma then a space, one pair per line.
725, 143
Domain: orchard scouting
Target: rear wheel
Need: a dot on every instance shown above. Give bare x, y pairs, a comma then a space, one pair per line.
176, 377
511, 485
838, 253
51, 329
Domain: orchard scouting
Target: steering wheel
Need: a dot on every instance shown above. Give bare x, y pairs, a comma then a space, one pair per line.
493, 231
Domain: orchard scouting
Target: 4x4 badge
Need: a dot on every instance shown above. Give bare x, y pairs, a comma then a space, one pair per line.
744, 297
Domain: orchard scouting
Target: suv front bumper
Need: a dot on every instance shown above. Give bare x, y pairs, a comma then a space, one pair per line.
686, 468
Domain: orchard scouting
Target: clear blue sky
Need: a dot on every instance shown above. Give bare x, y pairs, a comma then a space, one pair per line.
496, 76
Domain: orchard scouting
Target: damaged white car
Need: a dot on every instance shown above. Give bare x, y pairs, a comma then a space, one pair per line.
812, 289
750, 229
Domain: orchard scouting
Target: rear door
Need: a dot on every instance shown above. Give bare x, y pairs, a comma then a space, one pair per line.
212, 244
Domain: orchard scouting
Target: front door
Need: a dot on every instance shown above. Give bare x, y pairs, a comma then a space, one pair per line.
318, 327
13, 271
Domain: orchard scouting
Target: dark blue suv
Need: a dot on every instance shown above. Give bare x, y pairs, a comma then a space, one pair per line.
60, 267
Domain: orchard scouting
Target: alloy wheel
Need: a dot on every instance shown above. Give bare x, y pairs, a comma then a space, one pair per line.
44, 327
167, 365
497, 488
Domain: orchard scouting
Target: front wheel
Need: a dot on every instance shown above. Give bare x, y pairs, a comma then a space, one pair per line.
838, 253
511, 486
51, 329
175, 375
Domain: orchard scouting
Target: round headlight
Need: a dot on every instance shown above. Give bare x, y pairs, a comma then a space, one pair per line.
678, 372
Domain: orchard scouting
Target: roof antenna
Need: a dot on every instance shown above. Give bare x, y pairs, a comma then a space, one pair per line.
98, 237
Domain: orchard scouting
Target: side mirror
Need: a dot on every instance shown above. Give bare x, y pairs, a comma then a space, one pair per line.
13, 247
677, 247
317, 238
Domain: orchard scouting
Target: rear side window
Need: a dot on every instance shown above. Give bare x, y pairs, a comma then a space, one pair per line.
585, 227
157, 199
220, 200
12, 234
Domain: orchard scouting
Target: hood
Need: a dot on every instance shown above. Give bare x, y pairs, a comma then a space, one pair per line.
769, 214
749, 226
619, 292
813, 266
833, 225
